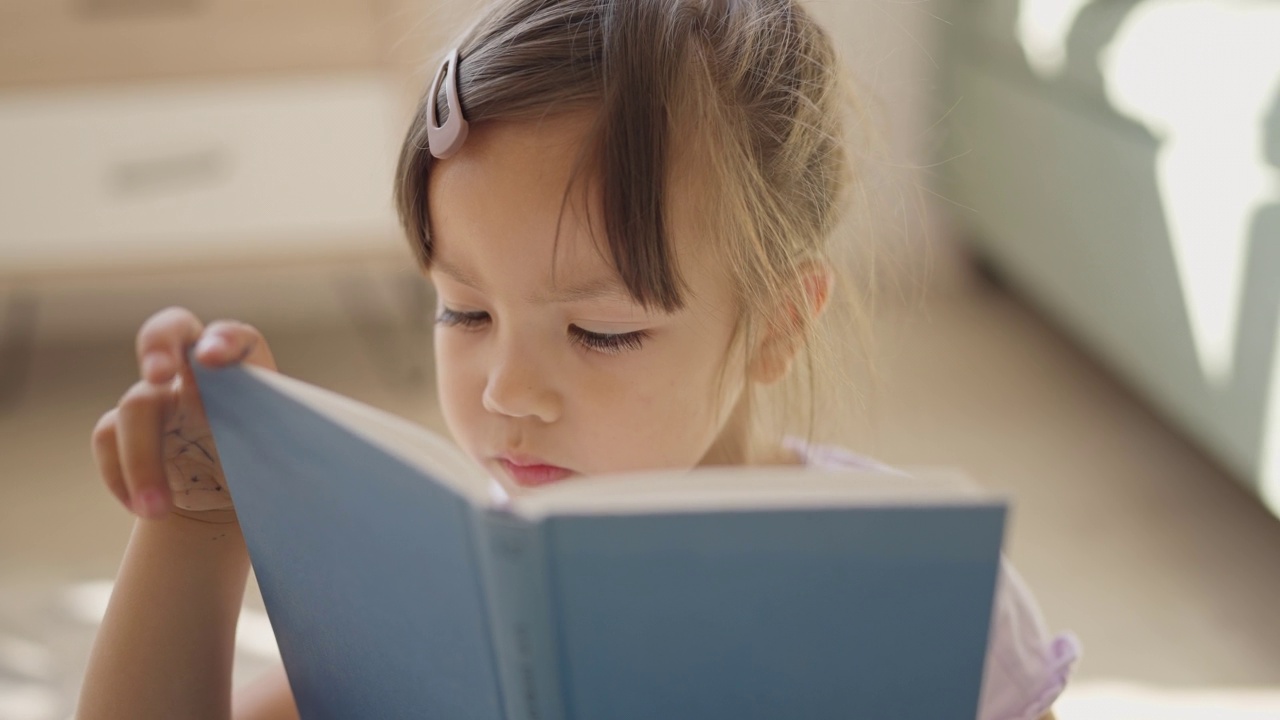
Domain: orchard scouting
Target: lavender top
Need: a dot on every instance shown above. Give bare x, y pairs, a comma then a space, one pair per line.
1027, 667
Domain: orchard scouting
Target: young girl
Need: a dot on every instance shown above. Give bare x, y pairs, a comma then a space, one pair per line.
624, 207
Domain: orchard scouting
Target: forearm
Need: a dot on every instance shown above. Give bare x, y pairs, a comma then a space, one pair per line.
165, 647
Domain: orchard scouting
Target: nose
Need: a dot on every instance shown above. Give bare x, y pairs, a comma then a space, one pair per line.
517, 388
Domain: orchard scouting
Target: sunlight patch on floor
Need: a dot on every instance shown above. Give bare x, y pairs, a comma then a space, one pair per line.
1202, 76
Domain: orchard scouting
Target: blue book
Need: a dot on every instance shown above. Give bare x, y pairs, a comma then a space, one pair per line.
401, 585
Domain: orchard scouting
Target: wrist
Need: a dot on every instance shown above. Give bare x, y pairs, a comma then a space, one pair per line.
200, 541
225, 516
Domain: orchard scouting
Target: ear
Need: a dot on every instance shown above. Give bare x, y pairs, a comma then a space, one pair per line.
774, 354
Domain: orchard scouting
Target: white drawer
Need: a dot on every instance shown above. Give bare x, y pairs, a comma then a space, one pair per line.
161, 176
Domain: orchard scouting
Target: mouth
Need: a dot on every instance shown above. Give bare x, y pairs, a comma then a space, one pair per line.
531, 472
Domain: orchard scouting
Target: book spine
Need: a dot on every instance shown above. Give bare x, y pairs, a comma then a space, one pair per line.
514, 562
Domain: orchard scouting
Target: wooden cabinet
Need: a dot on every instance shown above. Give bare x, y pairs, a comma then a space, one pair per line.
45, 42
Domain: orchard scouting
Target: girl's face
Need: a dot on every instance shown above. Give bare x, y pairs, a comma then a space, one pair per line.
546, 366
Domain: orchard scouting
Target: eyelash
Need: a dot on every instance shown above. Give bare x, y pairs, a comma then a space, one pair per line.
468, 320
607, 343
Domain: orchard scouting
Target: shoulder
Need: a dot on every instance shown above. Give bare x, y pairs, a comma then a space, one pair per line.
1027, 666
834, 457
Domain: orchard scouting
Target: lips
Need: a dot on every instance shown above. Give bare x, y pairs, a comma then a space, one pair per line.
531, 472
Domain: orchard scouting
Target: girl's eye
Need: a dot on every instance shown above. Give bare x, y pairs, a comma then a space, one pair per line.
608, 343
470, 320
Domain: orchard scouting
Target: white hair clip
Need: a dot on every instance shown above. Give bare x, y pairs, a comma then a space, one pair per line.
445, 140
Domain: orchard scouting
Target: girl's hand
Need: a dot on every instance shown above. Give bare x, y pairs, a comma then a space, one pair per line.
155, 449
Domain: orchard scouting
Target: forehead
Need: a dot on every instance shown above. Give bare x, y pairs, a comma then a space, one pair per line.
508, 205
513, 203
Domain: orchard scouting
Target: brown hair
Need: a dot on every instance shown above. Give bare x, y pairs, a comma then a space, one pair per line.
751, 87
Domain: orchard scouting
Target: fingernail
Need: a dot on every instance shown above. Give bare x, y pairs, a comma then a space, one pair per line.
155, 364
151, 503
210, 344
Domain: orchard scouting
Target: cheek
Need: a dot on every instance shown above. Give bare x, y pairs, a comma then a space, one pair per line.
698, 392
459, 382
661, 412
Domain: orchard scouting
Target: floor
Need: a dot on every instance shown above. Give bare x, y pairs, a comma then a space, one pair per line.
1130, 537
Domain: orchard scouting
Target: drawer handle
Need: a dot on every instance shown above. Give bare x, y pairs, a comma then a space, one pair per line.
105, 9
186, 171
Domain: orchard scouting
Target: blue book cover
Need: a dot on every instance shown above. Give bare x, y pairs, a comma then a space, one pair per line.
400, 585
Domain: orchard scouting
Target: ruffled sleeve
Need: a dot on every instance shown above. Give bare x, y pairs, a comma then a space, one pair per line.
1027, 668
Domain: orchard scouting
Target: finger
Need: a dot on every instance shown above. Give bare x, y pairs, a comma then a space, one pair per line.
162, 341
139, 440
108, 456
226, 342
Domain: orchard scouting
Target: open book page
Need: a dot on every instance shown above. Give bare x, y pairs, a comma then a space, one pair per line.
742, 488
407, 440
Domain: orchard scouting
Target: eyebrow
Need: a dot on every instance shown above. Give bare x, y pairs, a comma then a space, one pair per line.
603, 287
456, 273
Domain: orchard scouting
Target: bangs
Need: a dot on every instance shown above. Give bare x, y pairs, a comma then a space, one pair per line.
526, 68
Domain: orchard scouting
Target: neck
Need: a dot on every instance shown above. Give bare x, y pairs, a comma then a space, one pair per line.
737, 443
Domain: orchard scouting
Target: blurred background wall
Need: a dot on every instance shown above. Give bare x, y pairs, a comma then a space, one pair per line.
1075, 235
1121, 161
